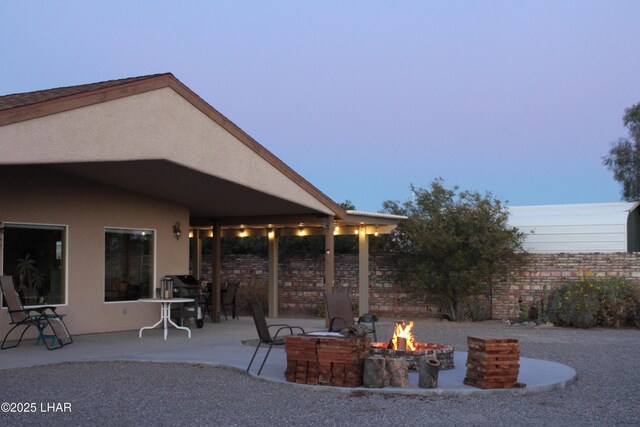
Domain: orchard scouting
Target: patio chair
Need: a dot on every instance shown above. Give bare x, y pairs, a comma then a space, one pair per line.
51, 329
340, 314
229, 300
264, 334
205, 300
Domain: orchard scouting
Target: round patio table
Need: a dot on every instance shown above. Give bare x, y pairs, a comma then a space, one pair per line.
165, 314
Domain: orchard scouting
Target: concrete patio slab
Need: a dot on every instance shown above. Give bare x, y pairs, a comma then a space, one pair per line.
220, 344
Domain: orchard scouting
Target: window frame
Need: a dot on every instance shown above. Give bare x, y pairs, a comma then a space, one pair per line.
65, 255
104, 262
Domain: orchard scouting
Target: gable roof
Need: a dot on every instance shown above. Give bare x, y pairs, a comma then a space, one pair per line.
16, 108
23, 99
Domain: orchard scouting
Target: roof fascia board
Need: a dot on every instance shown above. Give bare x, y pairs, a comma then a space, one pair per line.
357, 217
83, 99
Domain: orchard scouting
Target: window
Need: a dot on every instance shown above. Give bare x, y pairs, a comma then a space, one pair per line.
129, 264
35, 256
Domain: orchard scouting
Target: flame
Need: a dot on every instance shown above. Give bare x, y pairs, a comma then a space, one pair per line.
404, 331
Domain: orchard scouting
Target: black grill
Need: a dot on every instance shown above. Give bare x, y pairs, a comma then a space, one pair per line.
187, 286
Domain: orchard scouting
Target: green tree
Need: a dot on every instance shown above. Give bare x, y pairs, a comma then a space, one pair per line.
453, 244
624, 156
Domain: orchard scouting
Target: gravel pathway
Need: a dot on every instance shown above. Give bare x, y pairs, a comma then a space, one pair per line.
132, 393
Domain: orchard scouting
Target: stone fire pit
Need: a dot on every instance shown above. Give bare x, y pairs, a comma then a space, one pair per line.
444, 353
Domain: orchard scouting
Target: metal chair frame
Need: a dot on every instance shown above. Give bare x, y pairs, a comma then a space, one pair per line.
340, 314
264, 334
43, 318
229, 300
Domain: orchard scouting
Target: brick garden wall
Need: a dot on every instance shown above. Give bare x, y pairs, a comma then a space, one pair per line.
528, 281
301, 283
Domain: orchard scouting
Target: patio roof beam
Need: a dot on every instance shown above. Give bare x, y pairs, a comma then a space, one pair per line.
292, 230
267, 221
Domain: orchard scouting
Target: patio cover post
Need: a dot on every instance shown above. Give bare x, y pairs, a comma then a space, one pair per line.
363, 270
197, 268
273, 273
329, 254
216, 274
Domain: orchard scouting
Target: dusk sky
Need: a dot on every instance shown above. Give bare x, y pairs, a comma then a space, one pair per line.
364, 98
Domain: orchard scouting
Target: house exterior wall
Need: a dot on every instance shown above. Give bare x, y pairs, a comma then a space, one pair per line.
34, 194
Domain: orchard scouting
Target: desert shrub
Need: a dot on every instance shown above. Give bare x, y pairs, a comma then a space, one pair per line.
320, 310
616, 301
633, 318
524, 313
575, 304
474, 310
591, 302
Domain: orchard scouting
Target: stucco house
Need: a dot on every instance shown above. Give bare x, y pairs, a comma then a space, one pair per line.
101, 184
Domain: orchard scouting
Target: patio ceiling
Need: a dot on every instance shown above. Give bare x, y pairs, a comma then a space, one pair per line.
208, 198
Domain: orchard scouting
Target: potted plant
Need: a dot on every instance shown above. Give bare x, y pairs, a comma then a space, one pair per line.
31, 280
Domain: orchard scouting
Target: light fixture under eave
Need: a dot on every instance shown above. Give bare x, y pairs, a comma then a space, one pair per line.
191, 234
271, 234
301, 232
375, 233
243, 233
176, 230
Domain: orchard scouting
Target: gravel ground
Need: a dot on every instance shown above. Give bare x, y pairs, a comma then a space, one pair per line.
132, 393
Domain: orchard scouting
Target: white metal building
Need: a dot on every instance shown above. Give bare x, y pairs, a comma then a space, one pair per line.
593, 227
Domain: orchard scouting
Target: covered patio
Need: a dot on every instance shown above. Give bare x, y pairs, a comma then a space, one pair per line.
362, 224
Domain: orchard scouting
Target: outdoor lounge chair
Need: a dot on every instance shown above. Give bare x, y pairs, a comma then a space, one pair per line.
340, 314
51, 328
264, 335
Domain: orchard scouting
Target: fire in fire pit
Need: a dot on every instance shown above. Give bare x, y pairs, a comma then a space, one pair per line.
402, 338
403, 344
